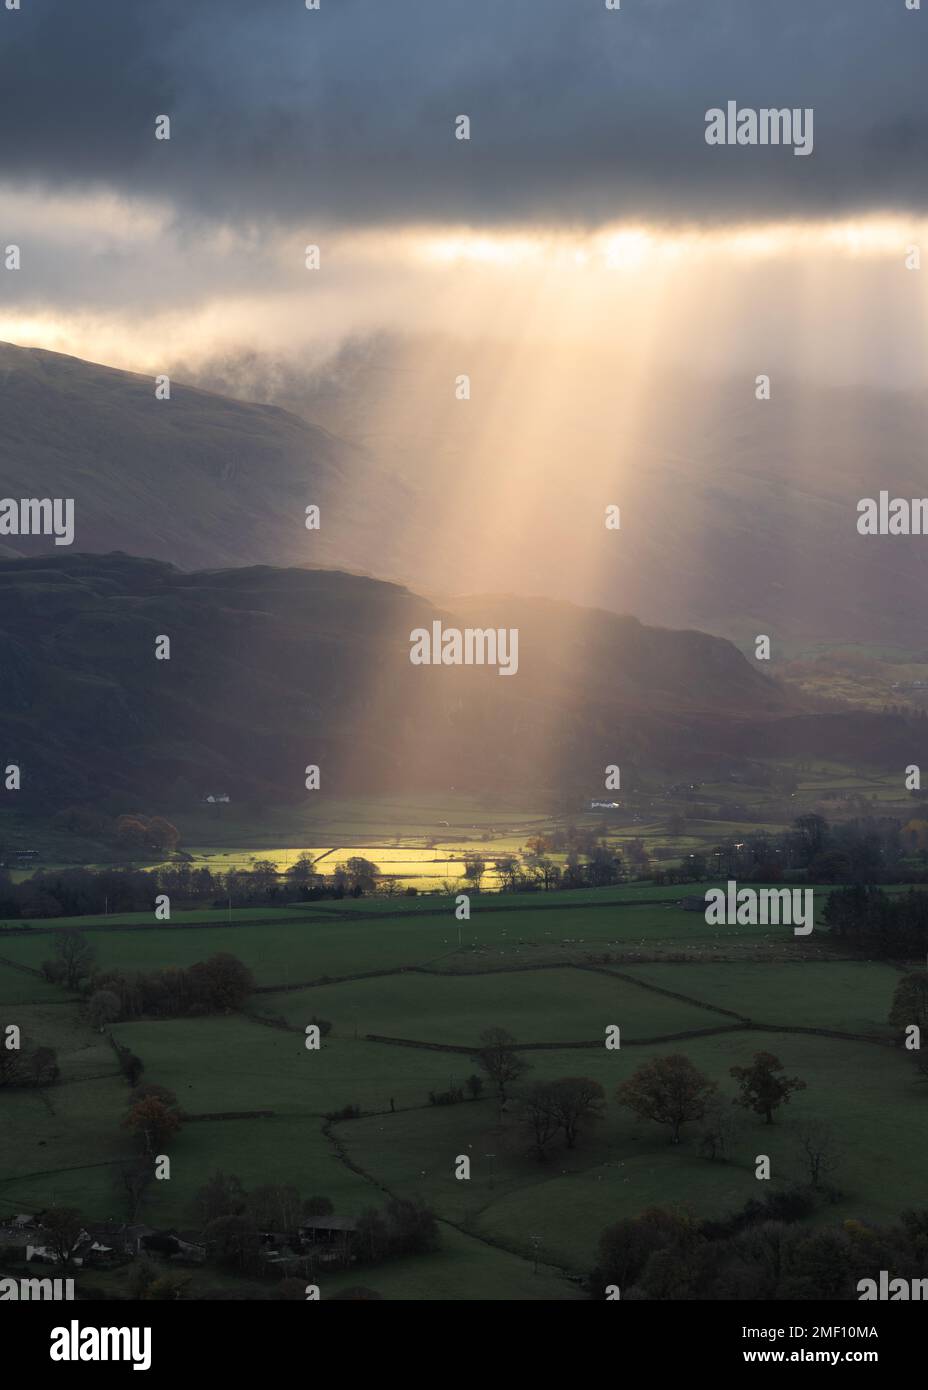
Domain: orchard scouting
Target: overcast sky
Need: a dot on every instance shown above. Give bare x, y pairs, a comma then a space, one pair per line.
336, 126
578, 113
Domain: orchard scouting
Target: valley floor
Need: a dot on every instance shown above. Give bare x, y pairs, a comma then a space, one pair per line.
408, 997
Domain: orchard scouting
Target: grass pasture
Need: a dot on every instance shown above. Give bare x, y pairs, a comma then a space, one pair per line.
18, 986
236, 1063
848, 996
286, 953
561, 1005
362, 935
625, 1165
667, 972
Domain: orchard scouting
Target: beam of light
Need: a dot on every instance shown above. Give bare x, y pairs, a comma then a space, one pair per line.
129, 283
578, 344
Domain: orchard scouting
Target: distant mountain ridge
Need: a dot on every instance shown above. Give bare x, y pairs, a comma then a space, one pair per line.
737, 516
200, 479
273, 670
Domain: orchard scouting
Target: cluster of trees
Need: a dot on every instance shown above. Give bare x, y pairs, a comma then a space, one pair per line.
562, 1107
591, 863
672, 1091
144, 834
758, 1254
272, 1207
264, 883
869, 919
86, 892
454, 1095
220, 984
668, 1090
135, 833
868, 848
25, 1065
76, 893
546, 1108
400, 1228
234, 1224
865, 849
356, 876
235, 1221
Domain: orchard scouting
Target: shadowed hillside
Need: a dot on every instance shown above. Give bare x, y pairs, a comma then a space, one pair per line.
275, 669
200, 479
738, 515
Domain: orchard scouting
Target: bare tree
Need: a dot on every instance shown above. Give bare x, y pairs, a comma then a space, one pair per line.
64, 1228
28, 1065
507, 869
502, 1064
576, 1100
720, 1127
539, 1117
75, 955
474, 870
133, 1179
819, 1150
550, 873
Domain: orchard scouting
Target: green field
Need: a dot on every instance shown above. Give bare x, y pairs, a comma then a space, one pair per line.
289, 953
241, 1064
21, 987
626, 1165
568, 1005
355, 936
848, 996
626, 956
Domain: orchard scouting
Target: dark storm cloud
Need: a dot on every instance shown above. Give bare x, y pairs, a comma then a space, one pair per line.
579, 113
